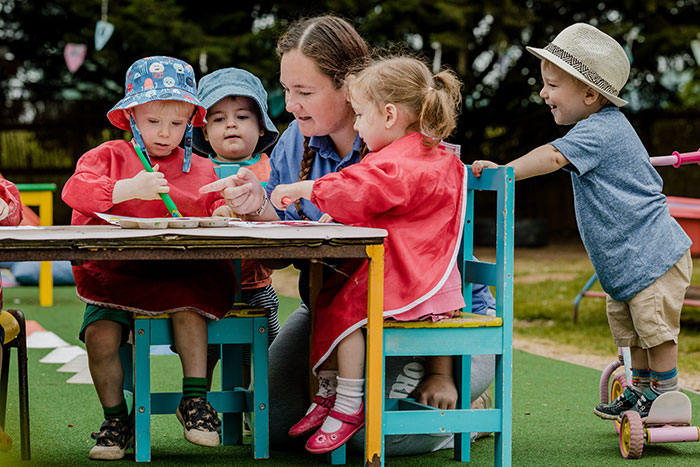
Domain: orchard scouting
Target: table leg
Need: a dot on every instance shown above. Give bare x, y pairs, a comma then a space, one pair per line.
374, 437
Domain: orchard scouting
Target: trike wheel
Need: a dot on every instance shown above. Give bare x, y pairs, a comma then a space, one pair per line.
619, 383
631, 435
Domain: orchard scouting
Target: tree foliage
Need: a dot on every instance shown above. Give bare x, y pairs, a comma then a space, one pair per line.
484, 41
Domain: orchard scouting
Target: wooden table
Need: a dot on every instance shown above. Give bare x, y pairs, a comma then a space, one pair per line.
316, 243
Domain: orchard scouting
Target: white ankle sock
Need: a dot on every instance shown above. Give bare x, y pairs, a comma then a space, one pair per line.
348, 401
327, 384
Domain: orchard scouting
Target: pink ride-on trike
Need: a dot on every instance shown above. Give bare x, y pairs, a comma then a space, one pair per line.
668, 421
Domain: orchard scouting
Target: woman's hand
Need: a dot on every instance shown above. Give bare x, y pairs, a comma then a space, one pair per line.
223, 211
243, 194
326, 219
144, 185
436, 390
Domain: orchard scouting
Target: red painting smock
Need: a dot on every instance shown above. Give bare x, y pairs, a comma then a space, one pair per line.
147, 287
416, 193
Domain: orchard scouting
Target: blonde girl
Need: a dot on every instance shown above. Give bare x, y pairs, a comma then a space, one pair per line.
406, 185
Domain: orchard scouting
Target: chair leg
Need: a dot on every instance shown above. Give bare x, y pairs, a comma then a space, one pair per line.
261, 399
6, 349
462, 376
231, 377
142, 392
23, 384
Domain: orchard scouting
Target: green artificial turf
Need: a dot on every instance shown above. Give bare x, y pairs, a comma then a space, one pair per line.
553, 423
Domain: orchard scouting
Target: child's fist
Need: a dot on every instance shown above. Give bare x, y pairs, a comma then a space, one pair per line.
479, 166
144, 185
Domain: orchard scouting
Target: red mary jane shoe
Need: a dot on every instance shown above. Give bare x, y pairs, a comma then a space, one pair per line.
321, 443
315, 418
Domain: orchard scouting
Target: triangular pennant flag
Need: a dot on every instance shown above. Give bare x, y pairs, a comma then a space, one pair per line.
74, 54
103, 31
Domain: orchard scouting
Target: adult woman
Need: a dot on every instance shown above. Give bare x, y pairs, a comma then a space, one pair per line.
316, 55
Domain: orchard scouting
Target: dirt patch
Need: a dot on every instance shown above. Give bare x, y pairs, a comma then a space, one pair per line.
534, 278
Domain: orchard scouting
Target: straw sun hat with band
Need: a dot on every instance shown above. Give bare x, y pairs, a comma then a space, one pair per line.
159, 79
591, 56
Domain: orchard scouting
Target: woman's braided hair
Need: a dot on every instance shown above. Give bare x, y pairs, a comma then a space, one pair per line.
337, 49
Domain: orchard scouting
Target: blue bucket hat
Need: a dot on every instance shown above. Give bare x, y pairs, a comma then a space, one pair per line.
159, 79
234, 82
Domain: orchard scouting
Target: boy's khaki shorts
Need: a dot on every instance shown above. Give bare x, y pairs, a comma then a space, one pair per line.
653, 316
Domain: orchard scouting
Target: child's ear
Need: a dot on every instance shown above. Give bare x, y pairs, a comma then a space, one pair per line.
591, 96
391, 115
204, 132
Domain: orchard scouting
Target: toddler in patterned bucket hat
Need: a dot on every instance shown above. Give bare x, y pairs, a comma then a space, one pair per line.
158, 79
640, 254
160, 108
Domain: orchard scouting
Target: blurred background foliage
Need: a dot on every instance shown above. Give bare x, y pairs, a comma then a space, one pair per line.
51, 116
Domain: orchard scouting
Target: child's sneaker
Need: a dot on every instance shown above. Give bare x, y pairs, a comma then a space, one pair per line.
115, 435
644, 402
200, 421
625, 401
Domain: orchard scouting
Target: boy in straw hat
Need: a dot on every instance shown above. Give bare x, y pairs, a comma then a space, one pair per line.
160, 108
639, 252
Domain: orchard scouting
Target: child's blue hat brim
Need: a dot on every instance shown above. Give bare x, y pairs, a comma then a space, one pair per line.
233, 82
157, 79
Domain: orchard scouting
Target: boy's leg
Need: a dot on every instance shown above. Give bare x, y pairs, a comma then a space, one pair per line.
104, 331
200, 421
656, 312
624, 334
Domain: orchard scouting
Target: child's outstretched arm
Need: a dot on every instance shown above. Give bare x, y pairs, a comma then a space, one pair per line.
542, 160
144, 185
283, 195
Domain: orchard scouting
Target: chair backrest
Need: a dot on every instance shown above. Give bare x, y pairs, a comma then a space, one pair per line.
499, 274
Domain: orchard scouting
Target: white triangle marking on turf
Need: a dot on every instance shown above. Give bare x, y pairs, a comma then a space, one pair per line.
75, 365
44, 340
62, 354
82, 377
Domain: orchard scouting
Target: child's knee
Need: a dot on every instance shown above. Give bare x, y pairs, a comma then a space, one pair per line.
103, 337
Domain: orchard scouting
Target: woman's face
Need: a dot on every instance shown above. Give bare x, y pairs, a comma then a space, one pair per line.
319, 108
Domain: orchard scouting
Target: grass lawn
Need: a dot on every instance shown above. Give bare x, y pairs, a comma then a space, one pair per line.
546, 282
552, 400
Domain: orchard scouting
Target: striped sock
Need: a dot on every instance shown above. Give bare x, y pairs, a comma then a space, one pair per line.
666, 381
194, 387
118, 411
641, 379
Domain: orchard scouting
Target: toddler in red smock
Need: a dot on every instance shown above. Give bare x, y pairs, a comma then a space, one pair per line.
413, 189
10, 214
160, 107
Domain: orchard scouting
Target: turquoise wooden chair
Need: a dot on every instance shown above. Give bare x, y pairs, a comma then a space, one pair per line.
15, 335
242, 325
462, 337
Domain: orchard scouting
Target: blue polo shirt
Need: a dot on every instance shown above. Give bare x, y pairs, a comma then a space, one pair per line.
622, 215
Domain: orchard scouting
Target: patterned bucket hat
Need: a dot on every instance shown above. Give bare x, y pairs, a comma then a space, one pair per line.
234, 82
591, 56
159, 79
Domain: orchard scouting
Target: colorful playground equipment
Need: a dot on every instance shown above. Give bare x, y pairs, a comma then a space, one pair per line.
669, 419
685, 210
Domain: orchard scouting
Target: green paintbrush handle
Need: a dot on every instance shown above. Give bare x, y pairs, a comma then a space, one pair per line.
172, 209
